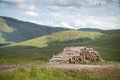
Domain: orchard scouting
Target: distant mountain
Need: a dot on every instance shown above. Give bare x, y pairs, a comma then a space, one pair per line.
13, 30
89, 29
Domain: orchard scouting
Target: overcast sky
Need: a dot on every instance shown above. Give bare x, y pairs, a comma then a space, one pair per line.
103, 14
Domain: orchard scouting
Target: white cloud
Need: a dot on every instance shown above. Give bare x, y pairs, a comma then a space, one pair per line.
28, 7
54, 14
49, 23
31, 13
107, 22
66, 25
32, 7
33, 21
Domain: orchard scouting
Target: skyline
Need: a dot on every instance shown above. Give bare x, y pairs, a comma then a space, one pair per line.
75, 14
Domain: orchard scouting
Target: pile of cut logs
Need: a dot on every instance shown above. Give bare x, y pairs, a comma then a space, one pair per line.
76, 55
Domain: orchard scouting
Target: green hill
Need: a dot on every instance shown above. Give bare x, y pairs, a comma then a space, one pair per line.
43, 48
60, 37
13, 30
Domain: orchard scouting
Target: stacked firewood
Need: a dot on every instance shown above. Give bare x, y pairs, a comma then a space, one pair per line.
76, 55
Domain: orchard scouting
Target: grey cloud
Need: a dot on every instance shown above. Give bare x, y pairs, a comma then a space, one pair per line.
63, 2
87, 3
12, 1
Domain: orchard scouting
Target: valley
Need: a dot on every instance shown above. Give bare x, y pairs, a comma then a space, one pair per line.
59, 39
27, 55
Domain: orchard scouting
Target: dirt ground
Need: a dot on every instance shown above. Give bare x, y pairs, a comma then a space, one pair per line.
80, 67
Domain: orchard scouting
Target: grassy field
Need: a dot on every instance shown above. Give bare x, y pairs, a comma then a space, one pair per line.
41, 49
54, 74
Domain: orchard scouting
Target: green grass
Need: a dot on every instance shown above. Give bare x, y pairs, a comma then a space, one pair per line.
1, 38
108, 74
20, 61
4, 27
26, 53
54, 74
34, 74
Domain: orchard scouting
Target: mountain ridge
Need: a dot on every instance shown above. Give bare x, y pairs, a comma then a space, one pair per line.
18, 31
89, 29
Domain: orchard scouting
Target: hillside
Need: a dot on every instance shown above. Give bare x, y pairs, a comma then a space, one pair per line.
43, 48
69, 36
13, 30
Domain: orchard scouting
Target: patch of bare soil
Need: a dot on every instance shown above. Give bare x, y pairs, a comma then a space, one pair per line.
4, 68
80, 67
84, 67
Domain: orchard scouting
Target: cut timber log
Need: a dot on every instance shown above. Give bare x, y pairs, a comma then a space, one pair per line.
76, 55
